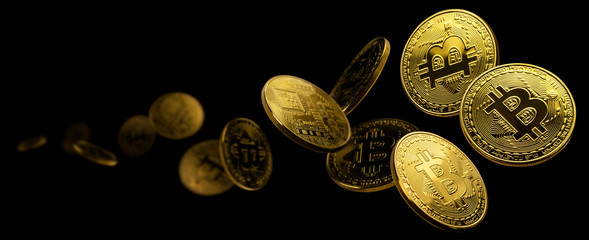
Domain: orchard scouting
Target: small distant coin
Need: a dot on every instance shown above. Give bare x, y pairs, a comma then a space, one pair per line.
136, 136
363, 165
95, 153
75, 132
444, 54
361, 74
305, 113
176, 115
438, 181
201, 171
518, 114
246, 154
31, 143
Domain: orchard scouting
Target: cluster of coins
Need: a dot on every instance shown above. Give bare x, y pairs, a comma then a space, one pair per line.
513, 114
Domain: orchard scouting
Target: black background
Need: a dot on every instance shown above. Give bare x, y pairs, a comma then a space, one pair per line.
102, 64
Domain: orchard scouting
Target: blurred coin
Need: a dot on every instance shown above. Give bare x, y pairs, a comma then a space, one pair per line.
438, 181
136, 136
95, 153
363, 165
246, 154
31, 143
445, 53
361, 74
518, 114
201, 170
305, 113
75, 132
176, 115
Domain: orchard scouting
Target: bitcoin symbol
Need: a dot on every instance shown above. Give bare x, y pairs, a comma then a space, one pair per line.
450, 185
373, 149
521, 111
249, 153
447, 64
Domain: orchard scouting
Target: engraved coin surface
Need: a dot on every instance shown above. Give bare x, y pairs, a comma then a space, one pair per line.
201, 171
176, 115
361, 74
443, 56
518, 114
31, 143
305, 113
438, 181
245, 154
95, 153
136, 136
363, 165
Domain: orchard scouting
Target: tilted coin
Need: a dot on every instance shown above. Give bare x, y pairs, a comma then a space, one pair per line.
361, 74
201, 171
95, 153
438, 181
136, 136
31, 143
518, 114
245, 154
176, 115
363, 165
75, 132
443, 56
305, 113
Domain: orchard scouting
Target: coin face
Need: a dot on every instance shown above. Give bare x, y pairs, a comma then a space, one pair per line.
176, 115
136, 136
201, 171
443, 56
518, 114
31, 143
363, 165
438, 181
361, 74
305, 113
246, 154
95, 153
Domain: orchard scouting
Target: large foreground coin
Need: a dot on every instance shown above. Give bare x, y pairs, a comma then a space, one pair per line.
363, 165
201, 171
361, 74
305, 113
438, 181
518, 114
245, 154
443, 56
136, 136
176, 115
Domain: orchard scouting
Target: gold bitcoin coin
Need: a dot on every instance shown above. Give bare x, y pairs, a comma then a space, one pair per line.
246, 154
75, 132
443, 56
176, 115
305, 113
136, 136
31, 143
518, 114
363, 165
95, 153
361, 74
201, 171
438, 181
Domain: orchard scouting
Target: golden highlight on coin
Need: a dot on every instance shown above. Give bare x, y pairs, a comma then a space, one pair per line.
75, 132
31, 143
176, 115
363, 164
438, 181
136, 136
361, 74
518, 114
95, 153
245, 154
444, 54
201, 171
305, 113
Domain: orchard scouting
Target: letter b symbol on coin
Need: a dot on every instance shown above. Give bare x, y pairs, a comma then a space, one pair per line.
372, 152
450, 185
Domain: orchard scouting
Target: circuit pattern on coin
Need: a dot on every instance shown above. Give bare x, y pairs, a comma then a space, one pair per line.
201, 171
518, 114
443, 56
